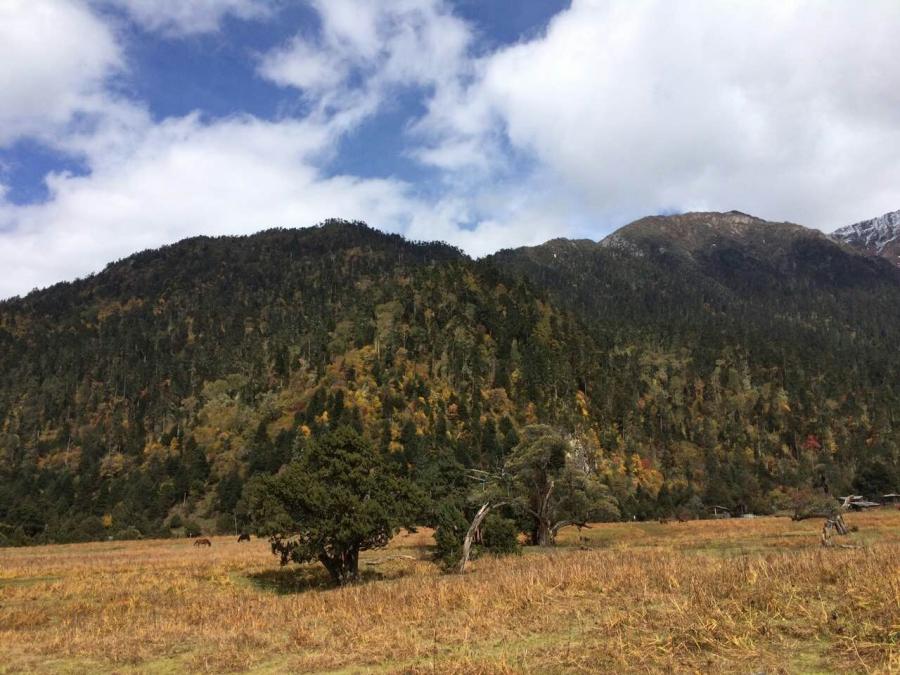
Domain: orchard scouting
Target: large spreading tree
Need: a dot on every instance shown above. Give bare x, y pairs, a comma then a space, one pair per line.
338, 497
545, 485
542, 485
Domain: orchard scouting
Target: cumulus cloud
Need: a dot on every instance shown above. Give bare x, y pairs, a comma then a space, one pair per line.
506, 215
365, 50
179, 18
790, 110
55, 58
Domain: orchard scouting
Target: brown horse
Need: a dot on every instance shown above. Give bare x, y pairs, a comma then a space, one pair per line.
663, 521
243, 536
203, 541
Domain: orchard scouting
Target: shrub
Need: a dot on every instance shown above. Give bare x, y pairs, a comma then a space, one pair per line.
500, 535
450, 528
128, 533
192, 529
225, 524
88, 529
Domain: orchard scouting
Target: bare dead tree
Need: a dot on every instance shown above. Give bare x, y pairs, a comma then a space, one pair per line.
485, 509
835, 525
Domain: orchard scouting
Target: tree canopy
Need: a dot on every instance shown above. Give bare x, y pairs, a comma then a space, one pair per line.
338, 497
545, 485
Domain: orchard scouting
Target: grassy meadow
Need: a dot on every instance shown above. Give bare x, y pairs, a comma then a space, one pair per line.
742, 596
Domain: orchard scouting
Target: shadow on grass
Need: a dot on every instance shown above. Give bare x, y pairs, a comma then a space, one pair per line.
28, 581
289, 580
293, 579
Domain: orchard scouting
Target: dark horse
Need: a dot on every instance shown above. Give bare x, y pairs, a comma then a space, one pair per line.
243, 536
203, 541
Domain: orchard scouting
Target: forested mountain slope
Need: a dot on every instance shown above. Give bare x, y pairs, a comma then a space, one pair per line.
705, 358
154, 388
724, 278
751, 353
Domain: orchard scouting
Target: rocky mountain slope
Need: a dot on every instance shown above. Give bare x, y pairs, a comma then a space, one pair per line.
878, 236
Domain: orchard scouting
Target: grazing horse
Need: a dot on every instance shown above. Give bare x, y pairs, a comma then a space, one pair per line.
663, 521
243, 536
203, 541
682, 518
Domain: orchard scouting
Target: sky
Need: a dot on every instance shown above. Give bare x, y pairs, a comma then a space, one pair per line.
130, 124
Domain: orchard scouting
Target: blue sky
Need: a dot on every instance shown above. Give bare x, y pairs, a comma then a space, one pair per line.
127, 124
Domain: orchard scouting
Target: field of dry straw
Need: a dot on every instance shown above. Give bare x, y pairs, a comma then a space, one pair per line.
712, 596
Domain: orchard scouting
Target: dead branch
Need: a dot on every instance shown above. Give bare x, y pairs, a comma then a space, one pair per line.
796, 517
566, 523
835, 525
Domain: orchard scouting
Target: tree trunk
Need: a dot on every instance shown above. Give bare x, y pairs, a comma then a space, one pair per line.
351, 565
343, 567
543, 535
473, 528
333, 566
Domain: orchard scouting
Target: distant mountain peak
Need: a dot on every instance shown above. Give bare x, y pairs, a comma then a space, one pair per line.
878, 236
697, 231
727, 222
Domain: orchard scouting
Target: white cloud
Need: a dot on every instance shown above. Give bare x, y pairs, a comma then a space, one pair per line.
365, 50
189, 17
506, 215
790, 110
300, 64
55, 57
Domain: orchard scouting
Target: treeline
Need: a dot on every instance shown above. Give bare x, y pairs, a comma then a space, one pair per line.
143, 399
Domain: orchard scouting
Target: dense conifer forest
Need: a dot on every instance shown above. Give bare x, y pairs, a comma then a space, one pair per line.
695, 360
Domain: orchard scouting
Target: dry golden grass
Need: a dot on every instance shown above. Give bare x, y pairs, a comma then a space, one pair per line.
713, 596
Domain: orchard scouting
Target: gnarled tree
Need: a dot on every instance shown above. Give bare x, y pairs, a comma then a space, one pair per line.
338, 497
543, 483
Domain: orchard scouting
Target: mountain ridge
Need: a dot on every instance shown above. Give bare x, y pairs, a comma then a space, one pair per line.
867, 237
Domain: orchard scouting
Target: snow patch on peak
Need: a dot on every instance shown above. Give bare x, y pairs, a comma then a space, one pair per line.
873, 235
